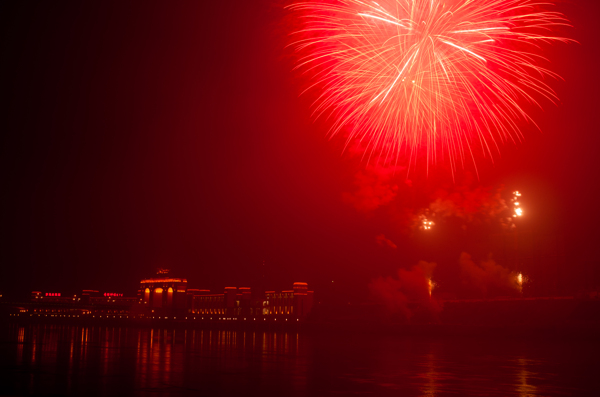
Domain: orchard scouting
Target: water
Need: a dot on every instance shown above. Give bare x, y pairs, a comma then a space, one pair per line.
106, 361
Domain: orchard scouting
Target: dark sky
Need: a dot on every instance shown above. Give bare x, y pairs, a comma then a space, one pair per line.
144, 134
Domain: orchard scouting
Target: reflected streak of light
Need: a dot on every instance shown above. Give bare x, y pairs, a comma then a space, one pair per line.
72, 337
146, 346
431, 376
20, 337
82, 343
85, 347
139, 355
33, 348
524, 389
105, 352
286, 344
155, 360
167, 360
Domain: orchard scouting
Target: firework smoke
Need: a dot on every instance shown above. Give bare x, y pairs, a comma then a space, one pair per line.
411, 286
432, 78
467, 204
486, 280
385, 242
375, 188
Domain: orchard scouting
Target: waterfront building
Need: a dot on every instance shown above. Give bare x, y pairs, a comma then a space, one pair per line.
164, 294
163, 297
295, 303
233, 302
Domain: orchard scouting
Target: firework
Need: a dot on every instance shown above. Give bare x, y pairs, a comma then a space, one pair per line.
425, 223
520, 281
426, 78
517, 204
430, 286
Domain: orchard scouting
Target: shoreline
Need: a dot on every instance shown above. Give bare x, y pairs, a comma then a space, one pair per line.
581, 330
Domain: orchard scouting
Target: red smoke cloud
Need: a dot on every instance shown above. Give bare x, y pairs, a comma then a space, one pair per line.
487, 279
408, 294
375, 188
384, 241
385, 189
468, 203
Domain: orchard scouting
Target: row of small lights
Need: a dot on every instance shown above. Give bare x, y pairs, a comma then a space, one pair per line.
74, 298
160, 318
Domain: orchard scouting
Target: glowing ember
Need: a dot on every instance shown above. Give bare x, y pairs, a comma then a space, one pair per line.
426, 78
518, 211
426, 224
431, 285
516, 204
520, 281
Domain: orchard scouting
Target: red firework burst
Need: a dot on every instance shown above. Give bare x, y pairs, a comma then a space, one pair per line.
426, 78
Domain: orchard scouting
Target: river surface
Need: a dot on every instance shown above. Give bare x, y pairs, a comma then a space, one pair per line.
112, 361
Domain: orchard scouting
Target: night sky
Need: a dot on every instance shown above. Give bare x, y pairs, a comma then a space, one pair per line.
147, 134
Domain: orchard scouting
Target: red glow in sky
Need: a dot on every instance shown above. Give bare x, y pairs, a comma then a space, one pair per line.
171, 134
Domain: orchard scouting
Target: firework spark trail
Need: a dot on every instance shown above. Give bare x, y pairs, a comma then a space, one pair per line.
406, 77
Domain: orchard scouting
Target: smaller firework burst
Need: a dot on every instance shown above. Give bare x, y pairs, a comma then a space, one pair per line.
521, 280
516, 211
425, 223
517, 204
430, 286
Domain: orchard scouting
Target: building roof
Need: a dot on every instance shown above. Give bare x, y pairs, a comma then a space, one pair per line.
163, 280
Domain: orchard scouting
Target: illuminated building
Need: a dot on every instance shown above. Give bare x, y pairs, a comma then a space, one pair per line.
209, 304
193, 292
165, 297
87, 295
296, 302
234, 302
89, 302
164, 294
51, 297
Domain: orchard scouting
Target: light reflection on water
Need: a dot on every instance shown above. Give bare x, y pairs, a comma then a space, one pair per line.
68, 360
